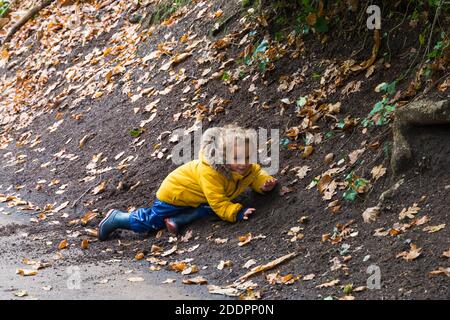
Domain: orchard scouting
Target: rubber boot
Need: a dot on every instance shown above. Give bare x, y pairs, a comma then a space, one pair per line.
114, 220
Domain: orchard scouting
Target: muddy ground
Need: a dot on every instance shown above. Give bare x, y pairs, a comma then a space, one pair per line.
111, 117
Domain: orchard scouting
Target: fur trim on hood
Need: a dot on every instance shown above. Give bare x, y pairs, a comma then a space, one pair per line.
213, 151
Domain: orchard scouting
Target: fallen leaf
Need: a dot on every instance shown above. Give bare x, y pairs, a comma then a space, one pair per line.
301, 172
100, 188
354, 155
170, 251
26, 272
63, 245
328, 284
190, 270
21, 293
231, 292
249, 263
446, 253
371, 214
410, 212
412, 254
187, 236
432, 229
88, 217
267, 266
84, 244
243, 240
224, 264
178, 266
378, 172
156, 249
439, 271
139, 256
309, 277
195, 280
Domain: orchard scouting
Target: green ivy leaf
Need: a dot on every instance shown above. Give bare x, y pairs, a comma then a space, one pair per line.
350, 195
136, 132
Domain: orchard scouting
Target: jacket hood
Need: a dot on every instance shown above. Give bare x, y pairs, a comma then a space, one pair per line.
212, 151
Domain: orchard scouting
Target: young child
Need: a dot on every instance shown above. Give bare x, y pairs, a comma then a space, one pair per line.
200, 187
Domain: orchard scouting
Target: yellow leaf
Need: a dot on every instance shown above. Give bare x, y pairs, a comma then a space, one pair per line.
88, 217
63, 245
139, 256
26, 272
432, 229
84, 244
100, 188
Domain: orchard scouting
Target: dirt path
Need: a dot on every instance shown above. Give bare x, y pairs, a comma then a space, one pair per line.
81, 280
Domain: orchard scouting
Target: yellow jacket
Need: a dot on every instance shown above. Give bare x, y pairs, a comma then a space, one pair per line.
196, 182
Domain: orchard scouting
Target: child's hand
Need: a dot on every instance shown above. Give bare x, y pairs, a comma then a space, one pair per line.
248, 212
269, 185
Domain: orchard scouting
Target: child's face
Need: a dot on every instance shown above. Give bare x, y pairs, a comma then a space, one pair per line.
241, 160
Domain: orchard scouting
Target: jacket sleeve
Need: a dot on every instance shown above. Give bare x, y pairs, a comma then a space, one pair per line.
261, 177
214, 191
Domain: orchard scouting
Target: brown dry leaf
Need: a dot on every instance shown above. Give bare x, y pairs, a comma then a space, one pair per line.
432, 229
139, 256
100, 188
84, 244
446, 253
371, 214
412, 254
187, 236
267, 266
195, 280
250, 294
301, 172
354, 155
88, 217
63, 244
178, 266
26, 272
410, 212
243, 240
378, 172
284, 190
439, 271
220, 241
328, 284
309, 277
249, 263
421, 221
190, 270
92, 232
231, 292
323, 183
224, 264
156, 249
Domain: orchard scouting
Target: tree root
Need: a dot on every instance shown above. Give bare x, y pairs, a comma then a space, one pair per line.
30, 14
417, 113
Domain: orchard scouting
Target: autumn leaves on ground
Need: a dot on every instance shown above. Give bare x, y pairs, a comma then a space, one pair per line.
91, 92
